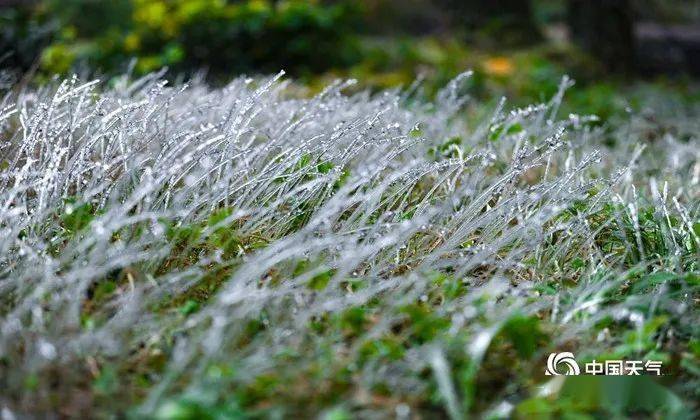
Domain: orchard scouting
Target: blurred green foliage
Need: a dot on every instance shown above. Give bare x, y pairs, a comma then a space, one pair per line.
187, 35
23, 34
606, 397
315, 40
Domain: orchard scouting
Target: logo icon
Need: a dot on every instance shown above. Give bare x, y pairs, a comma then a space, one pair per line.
565, 358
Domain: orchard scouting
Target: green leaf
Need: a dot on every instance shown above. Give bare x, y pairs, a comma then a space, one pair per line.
189, 307
624, 395
524, 333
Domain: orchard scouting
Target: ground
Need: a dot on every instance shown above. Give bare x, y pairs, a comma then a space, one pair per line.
248, 251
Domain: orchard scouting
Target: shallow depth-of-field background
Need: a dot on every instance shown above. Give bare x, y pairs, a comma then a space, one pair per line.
405, 222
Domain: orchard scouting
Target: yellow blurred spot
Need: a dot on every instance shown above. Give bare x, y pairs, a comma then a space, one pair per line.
132, 42
148, 64
57, 58
151, 14
259, 5
169, 27
498, 66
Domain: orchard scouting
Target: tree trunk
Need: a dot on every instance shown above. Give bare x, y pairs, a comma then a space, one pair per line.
507, 22
604, 28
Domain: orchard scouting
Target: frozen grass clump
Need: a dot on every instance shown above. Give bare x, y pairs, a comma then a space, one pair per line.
182, 251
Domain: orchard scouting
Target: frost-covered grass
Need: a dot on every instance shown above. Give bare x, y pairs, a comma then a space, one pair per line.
182, 251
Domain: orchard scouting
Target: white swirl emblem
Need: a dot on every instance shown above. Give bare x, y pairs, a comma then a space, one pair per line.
566, 358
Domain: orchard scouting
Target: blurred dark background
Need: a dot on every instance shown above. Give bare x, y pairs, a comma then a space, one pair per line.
519, 48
